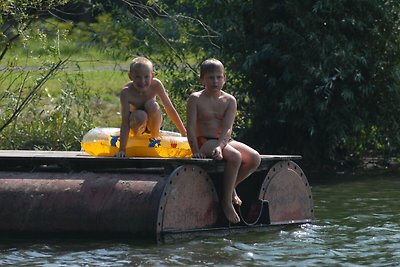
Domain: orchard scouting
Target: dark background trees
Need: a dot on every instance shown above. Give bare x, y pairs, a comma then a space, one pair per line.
317, 78
324, 77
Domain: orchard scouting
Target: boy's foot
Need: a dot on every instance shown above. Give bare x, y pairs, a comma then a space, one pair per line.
230, 213
146, 131
236, 199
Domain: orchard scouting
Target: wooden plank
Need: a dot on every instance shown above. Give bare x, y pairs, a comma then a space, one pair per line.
79, 160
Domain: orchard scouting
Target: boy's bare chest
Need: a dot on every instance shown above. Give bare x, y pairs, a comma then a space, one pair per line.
139, 99
212, 109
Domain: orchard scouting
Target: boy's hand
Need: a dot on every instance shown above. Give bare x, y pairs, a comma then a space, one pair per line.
199, 155
217, 153
120, 154
184, 133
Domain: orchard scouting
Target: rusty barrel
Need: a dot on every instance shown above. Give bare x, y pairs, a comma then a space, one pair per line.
280, 196
133, 203
66, 192
287, 191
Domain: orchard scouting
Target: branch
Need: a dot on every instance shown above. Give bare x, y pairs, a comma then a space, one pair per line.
22, 103
136, 10
12, 39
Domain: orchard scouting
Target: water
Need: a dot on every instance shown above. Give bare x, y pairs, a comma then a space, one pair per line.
357, 224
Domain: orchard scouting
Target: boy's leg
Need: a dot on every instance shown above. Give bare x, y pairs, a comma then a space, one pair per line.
236, 199
250, 160
154, 117
233, 161
138, 121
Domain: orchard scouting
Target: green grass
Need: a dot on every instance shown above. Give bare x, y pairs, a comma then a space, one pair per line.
89, 82
103, 87
84, 93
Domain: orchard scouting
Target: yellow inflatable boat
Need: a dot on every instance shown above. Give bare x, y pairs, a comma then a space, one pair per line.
105, 142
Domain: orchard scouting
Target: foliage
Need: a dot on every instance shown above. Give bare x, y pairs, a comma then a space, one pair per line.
53, 126
17, 16
318, 75
18, 95
53, 123
22, 85
134, 29
330, 75
315, 77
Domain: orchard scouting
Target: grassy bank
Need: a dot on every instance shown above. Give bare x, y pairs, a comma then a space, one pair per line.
84, 92
82, 95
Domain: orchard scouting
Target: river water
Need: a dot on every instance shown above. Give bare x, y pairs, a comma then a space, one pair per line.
357, 224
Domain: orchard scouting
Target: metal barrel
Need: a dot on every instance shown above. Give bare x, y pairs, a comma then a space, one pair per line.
132, 203
288, 194
134, 198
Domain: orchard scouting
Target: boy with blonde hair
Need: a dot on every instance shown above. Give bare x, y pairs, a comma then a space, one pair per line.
139, 108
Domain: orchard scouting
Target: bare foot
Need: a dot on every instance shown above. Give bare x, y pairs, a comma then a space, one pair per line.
230, 213
236, 199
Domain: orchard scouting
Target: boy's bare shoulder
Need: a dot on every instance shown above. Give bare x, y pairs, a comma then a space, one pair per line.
157, 86
194, 98
125, 89
228, 96
155, 82
196, 94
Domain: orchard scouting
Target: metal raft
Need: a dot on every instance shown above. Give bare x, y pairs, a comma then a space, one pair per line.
160, 199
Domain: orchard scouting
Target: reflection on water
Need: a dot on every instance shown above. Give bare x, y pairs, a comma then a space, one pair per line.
357, 224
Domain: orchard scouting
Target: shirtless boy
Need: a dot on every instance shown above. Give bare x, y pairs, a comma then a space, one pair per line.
139, 108
210, 116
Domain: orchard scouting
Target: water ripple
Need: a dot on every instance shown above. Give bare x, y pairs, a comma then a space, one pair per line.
356, 225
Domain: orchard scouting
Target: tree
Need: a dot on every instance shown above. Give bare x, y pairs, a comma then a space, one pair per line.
314, 77
16, 18
330, 76
318, 77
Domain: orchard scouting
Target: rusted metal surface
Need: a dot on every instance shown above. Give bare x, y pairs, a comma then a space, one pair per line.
288, 194
153, 198
189, 201
137, 204
27, 160
87, 202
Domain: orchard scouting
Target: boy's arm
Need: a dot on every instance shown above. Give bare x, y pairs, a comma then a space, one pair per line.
124, 130
169, 107
191, 119
226, 128
227, 122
